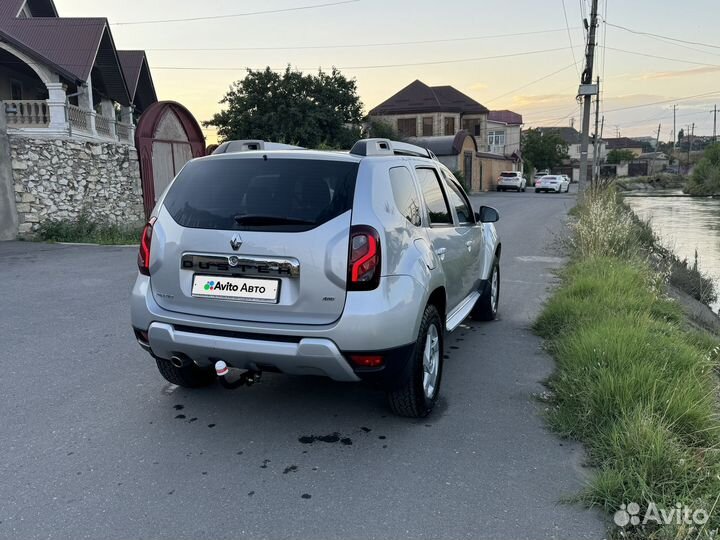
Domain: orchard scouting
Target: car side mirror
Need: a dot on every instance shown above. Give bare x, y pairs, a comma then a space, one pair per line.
487, 214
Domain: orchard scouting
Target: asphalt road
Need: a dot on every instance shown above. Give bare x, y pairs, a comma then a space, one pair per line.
95, 444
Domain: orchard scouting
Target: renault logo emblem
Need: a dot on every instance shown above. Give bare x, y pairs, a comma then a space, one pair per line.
235, 242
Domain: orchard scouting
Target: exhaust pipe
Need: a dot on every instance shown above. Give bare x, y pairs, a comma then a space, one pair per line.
179, 361
232, 378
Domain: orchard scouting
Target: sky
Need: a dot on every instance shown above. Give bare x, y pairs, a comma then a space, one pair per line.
513, 55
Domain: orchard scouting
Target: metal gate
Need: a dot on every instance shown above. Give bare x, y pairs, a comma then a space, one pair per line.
167, 137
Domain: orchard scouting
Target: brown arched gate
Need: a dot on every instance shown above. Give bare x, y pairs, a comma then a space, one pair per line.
167, 137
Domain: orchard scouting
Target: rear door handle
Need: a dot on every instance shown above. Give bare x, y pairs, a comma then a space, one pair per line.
469, 245
440, 252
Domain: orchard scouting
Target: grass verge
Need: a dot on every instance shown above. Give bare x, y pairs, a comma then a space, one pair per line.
633, 382
83, 229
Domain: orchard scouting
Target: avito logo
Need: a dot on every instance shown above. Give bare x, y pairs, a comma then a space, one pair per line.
228, 286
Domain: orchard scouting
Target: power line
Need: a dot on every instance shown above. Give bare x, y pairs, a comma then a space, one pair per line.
235, 15
639, 32
663, 101
356, 45
572, 49
706, 64
531, 83
379, 66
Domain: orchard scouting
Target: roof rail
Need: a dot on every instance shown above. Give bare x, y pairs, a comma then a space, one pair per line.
386, 147
231, 147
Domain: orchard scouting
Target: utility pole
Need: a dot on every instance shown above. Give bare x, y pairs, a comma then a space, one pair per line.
596, 140
715, 124
596, 160
674, 132
587, 92
657, 143
692, 132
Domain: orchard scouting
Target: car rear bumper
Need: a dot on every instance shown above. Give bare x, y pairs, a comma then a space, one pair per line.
380, 322
304, 356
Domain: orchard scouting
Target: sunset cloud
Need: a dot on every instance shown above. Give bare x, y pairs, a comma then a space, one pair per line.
679, 74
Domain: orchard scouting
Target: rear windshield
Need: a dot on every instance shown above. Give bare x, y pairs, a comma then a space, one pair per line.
261, 194
508, 175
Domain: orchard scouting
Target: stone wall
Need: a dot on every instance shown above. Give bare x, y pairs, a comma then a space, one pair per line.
59, 179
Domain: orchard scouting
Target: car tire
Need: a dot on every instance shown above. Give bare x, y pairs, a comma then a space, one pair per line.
190, 376
523, 190
418, 394
537, 190
486, 307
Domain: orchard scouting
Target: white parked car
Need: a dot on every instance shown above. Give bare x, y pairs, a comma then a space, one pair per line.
553, 182
511, 180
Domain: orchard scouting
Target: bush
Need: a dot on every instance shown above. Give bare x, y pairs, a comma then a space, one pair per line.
705, 179
83, 229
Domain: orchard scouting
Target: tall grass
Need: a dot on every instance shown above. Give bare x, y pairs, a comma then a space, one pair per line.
85, 229
632, 381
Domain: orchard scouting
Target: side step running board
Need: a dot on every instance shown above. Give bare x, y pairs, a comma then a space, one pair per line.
460, 313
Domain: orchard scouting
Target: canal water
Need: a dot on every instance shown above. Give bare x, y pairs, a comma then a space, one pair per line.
684, 224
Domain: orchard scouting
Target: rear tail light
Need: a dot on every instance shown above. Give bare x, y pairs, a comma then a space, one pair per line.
144, 253
364, 259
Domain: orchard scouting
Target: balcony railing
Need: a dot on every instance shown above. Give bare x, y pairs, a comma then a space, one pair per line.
37, 115
27, 113
79, 118
124, 132
105, 126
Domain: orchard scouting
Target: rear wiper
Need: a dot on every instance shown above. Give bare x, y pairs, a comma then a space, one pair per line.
257, 219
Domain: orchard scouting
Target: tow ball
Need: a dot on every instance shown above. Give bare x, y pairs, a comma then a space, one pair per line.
231, 377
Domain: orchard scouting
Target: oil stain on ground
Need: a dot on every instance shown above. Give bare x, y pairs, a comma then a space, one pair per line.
331, 438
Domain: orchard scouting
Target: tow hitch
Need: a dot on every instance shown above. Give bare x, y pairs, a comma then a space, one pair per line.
231, 377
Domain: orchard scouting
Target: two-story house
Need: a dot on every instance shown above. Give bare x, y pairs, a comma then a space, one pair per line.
64, 77
419, 110
504, 129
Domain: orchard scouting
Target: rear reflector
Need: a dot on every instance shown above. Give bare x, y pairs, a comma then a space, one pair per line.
367, 360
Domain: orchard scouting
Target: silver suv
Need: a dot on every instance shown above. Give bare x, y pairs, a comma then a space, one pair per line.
348, 265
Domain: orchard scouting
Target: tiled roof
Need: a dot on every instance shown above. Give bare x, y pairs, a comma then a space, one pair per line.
68, 43
505, 117
622, 142
418, 98
568, 134
138, 78
74, 46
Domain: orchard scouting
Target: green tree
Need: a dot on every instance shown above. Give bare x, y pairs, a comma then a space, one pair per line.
616, 156
292, 108
543, 150
379, 129
705, 179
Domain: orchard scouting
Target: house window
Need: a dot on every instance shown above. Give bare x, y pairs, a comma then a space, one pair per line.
449, 125
428, 126
16, 89
496, 138
472, 127
407, 127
